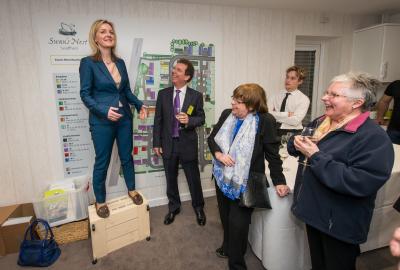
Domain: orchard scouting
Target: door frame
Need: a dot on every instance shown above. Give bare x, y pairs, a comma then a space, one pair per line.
318, 47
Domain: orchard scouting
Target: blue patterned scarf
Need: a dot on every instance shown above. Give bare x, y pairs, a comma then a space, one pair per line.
232, 181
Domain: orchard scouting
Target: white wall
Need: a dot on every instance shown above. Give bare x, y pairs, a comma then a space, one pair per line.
394, 18
257, 46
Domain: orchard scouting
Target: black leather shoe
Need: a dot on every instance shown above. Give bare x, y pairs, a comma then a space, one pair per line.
170, 217
220, 253
201, 217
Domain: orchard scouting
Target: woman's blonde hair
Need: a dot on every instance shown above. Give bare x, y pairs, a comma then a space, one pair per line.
92, 40
253, 96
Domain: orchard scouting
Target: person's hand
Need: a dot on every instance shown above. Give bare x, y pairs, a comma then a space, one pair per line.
225, 159
183, 118
113, 115
143, 112
305, 146
395, 243
282, 190
158, 151
290, 114
379, 121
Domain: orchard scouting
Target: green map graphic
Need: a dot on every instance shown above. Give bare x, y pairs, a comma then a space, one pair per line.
153, 75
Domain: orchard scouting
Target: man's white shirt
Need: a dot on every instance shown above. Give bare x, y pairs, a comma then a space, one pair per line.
296, 102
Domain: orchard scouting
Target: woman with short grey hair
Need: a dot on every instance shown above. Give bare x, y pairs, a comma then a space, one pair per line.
361, 86
342, 166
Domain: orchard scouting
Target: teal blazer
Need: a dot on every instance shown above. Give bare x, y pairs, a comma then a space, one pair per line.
99, 91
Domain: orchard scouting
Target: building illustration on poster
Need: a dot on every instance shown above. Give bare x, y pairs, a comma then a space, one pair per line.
153, 74
150, 72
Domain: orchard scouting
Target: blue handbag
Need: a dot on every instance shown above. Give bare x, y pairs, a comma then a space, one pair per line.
38, 252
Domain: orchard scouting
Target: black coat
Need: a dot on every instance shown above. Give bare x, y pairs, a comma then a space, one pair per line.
266, 146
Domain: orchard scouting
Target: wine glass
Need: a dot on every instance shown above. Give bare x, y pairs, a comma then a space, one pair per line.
177, 111
177, 115
283, 153
307, 132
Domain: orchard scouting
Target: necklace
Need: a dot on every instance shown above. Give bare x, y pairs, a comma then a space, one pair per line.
108, 62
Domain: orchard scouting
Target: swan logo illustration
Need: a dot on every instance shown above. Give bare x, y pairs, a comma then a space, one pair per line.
67, 29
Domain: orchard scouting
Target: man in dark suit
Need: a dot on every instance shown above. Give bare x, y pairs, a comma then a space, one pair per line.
179, 110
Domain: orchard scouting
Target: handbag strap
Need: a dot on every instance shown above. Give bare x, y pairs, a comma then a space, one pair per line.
33, 225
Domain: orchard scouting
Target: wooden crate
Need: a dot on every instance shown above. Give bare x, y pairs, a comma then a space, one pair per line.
127, 223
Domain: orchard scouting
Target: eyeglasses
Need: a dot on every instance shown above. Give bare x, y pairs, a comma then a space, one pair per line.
333, 95
234, 100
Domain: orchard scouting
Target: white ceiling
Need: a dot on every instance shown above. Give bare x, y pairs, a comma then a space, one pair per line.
357, 7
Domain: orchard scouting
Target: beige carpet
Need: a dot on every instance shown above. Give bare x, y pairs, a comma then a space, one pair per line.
183, 245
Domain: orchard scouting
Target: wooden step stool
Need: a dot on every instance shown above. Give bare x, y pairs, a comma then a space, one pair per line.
126, 224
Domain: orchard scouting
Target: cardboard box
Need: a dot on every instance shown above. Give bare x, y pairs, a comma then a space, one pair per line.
126, 224
11, 236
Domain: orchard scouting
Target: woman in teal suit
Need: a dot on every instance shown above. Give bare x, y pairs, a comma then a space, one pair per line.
105, 91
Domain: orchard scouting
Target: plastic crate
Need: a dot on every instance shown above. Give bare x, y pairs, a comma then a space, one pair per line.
66, 206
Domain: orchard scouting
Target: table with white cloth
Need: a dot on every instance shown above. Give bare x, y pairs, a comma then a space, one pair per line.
279, 239
385, 218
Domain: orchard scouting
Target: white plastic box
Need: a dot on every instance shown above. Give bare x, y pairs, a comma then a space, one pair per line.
72, 205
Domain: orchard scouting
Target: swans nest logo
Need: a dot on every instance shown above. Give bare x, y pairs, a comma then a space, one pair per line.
68, 39
67, 29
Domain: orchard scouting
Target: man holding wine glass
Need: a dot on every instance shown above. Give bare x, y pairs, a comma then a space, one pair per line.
345, 158
179, 110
